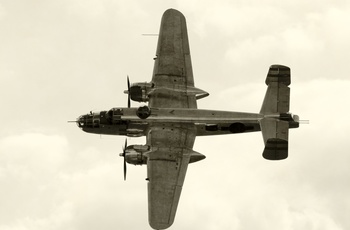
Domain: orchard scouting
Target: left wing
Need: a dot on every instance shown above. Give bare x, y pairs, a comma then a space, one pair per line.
172, 72
166, 170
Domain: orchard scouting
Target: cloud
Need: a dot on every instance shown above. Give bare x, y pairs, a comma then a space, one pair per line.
47, 186
30, 149
306, 191
254, 35
28, 166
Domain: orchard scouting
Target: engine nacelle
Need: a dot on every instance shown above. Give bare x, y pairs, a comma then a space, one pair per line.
134, 154
139, 91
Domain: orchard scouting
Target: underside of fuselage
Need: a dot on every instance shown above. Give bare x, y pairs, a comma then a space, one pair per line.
131, 122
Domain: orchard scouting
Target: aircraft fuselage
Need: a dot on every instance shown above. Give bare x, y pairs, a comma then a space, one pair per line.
135, 122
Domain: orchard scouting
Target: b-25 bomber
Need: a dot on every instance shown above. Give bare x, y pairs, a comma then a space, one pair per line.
171, 120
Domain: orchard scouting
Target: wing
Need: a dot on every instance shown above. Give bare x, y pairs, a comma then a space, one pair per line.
166, 170
172, 73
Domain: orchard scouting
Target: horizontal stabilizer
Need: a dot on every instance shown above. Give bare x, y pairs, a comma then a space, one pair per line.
275, 135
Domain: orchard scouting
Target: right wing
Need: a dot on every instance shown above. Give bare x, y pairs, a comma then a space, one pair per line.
166, 169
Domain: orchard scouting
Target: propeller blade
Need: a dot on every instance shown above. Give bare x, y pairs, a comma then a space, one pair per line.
124, 169
123, 155
128, 83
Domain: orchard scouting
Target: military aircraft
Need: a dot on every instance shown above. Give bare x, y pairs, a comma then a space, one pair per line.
171, 121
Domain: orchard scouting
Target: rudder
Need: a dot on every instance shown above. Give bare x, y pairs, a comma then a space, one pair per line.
277, 96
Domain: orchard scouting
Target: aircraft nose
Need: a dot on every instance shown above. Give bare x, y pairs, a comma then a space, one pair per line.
81, 121
87, 121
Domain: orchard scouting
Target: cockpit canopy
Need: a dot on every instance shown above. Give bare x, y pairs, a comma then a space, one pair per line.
89, 121
92, 120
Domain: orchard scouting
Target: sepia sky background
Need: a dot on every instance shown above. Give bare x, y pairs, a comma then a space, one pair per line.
61, 59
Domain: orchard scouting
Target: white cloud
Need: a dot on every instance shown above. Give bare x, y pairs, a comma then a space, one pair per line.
105, 9
306, 191
2, 11
60, 217
47, 186
24, 153
28, 166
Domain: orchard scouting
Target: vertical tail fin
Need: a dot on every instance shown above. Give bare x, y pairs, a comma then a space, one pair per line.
276, 100
276, 122
275, 135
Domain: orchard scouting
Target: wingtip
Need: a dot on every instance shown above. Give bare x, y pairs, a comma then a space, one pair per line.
157, 220
173, 12
158, 226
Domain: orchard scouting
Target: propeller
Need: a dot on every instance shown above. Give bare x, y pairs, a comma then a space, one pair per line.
128, 83
123, 155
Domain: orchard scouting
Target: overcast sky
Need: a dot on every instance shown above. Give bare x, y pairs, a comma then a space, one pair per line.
61, 59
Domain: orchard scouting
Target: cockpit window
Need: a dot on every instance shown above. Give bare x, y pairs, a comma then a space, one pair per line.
88, 121
118, 112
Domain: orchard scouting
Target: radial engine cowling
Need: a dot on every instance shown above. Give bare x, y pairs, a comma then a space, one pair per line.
139, 91
134, 154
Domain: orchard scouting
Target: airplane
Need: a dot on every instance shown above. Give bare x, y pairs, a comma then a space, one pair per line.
171, 120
